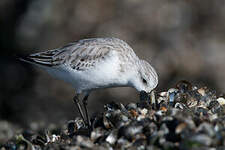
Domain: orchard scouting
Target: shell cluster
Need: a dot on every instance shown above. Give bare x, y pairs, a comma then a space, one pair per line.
184, 117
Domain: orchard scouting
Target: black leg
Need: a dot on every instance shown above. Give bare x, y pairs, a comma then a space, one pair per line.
85, 100
77, 102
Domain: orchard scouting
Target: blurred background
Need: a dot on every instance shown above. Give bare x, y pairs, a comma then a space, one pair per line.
182, 39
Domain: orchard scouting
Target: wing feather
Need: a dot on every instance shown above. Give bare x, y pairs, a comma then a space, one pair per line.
87, 58
84, 54
48, 58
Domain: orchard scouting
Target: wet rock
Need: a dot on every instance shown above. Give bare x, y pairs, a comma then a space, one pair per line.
84, 142
206, 128
112, 137
131, 106
97, 134
6, 131
77, 127
201, 139
129, 132
185, 117
221, 100
184, 86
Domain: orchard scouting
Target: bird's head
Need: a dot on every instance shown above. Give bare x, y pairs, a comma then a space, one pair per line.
146, 78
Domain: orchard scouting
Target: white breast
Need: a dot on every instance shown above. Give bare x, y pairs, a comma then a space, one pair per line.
105, 74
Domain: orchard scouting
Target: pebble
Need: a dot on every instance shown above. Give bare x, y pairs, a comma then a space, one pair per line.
183, 117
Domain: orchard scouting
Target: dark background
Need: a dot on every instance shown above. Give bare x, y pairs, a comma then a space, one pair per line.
182, 39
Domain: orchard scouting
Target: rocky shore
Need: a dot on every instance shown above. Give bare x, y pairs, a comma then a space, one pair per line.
184, 117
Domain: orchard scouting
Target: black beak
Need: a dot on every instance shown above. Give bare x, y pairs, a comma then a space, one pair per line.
148, 99
144, 96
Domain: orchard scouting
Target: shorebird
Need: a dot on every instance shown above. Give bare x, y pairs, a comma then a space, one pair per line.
96, 63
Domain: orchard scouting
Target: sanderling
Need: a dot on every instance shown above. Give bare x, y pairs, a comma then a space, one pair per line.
96, 63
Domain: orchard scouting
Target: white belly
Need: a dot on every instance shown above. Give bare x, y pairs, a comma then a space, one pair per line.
104, 74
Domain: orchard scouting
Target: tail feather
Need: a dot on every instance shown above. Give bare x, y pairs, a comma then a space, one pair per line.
40, 56
43, 61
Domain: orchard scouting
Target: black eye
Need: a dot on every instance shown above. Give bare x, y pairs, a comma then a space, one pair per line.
144, 81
